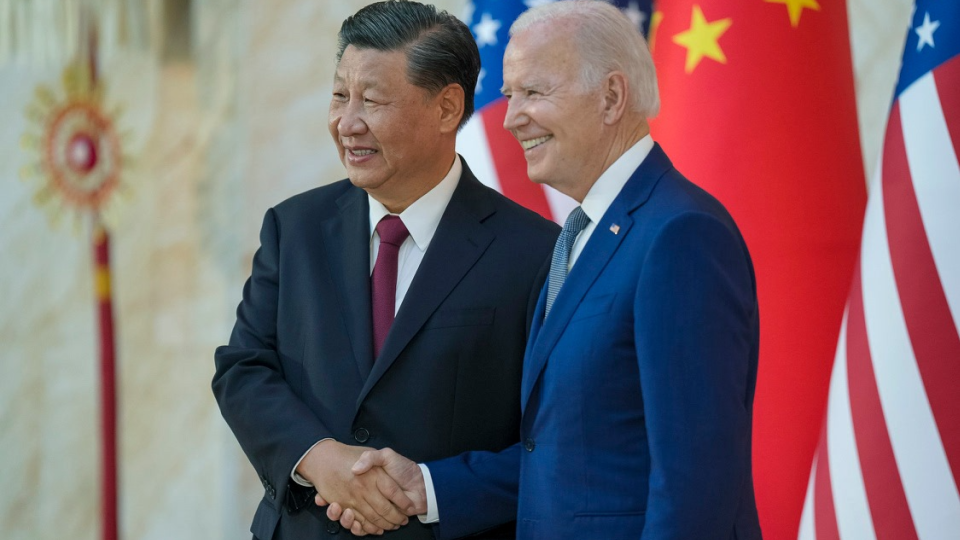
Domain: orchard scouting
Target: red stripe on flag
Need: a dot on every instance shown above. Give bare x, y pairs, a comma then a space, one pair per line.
933, 333
824, 513
947, 79
509, 161
881, 478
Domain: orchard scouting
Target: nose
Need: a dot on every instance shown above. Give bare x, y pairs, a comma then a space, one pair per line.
515, 116
350, 122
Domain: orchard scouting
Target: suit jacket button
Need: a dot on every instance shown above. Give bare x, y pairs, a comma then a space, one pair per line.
333, 527
361, 435
529, 444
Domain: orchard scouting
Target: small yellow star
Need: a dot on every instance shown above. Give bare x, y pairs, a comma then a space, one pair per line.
701, 39
795, 8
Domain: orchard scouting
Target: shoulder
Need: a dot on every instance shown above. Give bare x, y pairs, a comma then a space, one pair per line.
307, 210
316, 199
514, 215
676, 197
498, 212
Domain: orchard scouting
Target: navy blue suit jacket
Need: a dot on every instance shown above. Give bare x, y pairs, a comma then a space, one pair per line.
637, 390
300, 366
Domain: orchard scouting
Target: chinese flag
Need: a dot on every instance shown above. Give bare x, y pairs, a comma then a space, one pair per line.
759, 110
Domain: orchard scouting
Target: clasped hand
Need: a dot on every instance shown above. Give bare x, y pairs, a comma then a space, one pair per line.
367, 491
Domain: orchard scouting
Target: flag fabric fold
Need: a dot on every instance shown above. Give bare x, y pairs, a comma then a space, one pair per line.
888, 463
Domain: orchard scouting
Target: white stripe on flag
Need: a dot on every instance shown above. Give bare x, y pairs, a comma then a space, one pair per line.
807, 530
473, 146
933, 165
560, 204
846, 478
924, 471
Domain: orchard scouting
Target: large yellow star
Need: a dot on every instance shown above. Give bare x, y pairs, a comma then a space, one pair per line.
795, 8
701, 39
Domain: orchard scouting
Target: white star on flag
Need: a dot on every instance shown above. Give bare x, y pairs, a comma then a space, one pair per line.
925, 32
635, 14
486, 30
534, 3
480, 76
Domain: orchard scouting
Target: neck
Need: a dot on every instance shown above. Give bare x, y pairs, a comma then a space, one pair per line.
397, 198
627, 134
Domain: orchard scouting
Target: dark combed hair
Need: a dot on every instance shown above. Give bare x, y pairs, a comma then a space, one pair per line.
440, 48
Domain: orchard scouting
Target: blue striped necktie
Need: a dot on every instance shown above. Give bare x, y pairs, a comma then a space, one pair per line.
575, 223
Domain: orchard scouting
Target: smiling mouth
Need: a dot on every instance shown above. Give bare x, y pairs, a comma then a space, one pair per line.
361, 153
533, 143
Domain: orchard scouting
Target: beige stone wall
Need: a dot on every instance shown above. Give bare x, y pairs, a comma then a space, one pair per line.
217, 139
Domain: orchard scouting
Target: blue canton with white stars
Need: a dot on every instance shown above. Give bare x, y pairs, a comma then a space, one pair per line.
933, 38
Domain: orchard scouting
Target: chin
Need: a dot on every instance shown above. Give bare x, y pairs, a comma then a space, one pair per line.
537, 177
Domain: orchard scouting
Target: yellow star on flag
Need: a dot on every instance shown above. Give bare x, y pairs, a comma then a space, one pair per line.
795, 8
701, 39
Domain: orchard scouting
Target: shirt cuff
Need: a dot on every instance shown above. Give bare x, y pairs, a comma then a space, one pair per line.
294, 475
433, 513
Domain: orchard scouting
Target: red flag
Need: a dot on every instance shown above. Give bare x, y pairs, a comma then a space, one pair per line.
759, 109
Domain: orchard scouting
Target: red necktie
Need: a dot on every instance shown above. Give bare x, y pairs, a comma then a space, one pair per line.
383, 282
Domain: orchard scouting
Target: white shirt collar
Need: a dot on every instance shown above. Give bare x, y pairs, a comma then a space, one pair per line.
423, 216
608, 186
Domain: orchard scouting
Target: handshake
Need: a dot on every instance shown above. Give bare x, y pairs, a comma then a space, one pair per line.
368, 491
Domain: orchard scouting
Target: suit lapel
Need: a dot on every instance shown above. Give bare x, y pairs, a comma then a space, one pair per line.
459, 242
348, 237
593, 259
531, 372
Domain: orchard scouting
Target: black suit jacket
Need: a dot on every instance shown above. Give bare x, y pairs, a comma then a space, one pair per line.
300, 366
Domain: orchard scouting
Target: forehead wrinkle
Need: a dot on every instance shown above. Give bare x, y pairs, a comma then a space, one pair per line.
364, 80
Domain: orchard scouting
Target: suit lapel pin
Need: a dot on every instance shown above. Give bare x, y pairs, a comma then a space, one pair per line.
614, 228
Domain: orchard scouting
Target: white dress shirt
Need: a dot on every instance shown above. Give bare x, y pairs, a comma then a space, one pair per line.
595, 205
422, 219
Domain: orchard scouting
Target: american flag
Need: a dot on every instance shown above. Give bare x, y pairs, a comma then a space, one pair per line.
492, 153
888, 462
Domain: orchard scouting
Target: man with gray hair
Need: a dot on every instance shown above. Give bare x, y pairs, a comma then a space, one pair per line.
388, 309
639, 375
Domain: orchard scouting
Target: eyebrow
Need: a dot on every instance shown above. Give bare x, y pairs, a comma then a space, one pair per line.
365, 82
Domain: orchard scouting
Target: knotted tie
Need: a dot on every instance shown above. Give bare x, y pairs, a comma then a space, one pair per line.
575, 223
383, 281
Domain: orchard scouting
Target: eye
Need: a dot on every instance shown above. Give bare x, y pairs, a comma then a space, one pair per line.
339, 96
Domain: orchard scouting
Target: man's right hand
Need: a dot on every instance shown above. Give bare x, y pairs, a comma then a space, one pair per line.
404, 471
377, 499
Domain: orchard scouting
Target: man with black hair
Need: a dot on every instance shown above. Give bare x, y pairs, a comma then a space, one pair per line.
390, 309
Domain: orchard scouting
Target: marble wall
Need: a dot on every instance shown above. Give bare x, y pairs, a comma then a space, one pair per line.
215, 140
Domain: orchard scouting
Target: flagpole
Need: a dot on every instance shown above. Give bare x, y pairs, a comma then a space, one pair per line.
104, 299
108, 394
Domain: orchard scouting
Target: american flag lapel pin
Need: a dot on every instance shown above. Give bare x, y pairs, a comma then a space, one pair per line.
614, 228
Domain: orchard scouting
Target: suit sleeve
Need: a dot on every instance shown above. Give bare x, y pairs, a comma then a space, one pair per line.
696, 337
476, 491
273, 426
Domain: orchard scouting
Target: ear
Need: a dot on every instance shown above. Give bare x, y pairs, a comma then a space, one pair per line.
616, 92
450, 99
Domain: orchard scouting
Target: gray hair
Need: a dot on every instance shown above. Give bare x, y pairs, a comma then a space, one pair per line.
440, 48
607, 42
